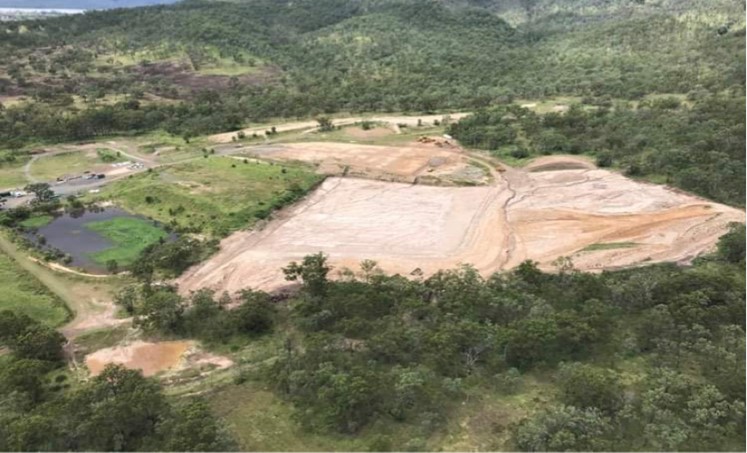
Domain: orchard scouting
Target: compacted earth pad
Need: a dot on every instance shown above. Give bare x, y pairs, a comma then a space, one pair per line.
409, 163
584, 213
402, 226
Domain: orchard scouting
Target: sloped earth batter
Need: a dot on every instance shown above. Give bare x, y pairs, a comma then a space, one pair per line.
537, 215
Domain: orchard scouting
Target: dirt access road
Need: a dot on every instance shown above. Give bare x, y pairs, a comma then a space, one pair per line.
557, 206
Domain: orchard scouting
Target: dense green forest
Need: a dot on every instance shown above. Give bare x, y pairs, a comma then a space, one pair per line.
79, 4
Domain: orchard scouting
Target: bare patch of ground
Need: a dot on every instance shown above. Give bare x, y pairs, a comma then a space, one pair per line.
357, 132
561, 213
93, 314
401, 226
390, 163
524, 215
151, 358
154, 358
59, 267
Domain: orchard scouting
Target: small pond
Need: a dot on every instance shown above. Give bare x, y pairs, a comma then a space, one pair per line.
94, 237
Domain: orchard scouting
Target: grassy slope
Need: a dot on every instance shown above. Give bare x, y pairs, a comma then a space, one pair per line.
11, 174
23, 293
129, 235
217, 194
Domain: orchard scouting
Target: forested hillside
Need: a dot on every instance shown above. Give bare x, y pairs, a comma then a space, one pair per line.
80, 4
228, 63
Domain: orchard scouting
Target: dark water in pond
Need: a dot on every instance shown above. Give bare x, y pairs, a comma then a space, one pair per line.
69, 234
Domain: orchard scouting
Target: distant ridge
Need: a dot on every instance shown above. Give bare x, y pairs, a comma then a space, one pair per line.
80, 4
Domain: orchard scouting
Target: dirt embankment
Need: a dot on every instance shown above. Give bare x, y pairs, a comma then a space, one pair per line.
599, 218
554, 163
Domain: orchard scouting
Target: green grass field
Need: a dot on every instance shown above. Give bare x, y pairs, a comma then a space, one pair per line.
23, 293
74, 162
228, 67
37, 221
129, 235
214, 195
51, 167
11, 174
167, 148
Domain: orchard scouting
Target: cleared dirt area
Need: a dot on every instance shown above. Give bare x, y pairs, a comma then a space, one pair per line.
153, 358
376, 132
390, 163
537, 215
401, 226
93, 314
562, 212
